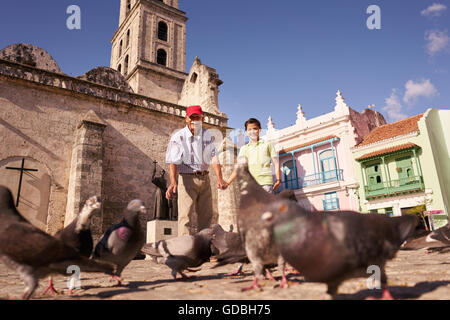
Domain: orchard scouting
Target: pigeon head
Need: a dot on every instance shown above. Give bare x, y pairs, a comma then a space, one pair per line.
136, 206
217, 230
280, 211
6, 198
207, 234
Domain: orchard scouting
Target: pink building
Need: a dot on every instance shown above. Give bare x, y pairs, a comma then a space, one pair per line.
316, 158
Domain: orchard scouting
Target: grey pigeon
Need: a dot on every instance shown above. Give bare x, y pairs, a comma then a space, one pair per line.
78, 234
121, 242
437, 240
255, 235
35, 254
230, 247
333, 247
230, 244
227, 241
182, 253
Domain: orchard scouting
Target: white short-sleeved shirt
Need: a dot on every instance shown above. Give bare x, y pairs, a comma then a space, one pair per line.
191, 153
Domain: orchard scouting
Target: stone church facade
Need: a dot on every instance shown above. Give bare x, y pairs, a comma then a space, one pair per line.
99, 133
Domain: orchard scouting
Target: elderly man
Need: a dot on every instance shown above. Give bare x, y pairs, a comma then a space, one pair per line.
190, 152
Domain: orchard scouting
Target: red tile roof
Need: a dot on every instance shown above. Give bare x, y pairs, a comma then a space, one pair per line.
307, 144
391, 130
388, 150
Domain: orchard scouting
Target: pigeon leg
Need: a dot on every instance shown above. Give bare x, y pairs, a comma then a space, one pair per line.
237, 272
254, 285
184, 277
31, 282
119, 280
284, 282
50, 287
386, 295
269, 275
331, 291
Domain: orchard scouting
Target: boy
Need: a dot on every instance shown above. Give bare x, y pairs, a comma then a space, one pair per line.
259, 154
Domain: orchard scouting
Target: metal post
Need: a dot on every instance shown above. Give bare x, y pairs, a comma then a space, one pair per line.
295, 169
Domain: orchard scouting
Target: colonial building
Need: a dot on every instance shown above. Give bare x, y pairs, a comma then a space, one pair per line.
64, 139
406, 164
315, 155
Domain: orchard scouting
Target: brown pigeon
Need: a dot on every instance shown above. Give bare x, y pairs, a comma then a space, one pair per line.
333, 247
33, 253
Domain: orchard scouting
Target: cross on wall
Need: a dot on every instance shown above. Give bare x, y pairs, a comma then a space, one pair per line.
22, 169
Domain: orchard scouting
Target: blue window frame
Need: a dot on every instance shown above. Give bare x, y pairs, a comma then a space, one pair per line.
331, 201
328, 166
289, 181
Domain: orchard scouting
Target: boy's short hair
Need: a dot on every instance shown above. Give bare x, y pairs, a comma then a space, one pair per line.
252, 121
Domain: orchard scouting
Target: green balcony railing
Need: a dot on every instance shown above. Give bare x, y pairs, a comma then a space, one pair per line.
393, 187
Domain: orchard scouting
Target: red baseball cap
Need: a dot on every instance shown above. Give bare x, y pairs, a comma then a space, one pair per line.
194, 109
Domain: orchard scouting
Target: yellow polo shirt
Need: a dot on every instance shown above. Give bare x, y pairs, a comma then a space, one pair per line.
259, 156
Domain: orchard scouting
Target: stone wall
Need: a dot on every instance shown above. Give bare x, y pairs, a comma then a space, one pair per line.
40, 117
201, 87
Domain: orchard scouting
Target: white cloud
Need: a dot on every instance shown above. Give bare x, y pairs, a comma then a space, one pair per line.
437, 41
435, 10
414, 90
393, 107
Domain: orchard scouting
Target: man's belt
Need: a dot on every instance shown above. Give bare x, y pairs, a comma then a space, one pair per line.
198, 173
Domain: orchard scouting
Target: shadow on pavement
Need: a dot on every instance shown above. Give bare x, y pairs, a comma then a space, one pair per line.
397, 292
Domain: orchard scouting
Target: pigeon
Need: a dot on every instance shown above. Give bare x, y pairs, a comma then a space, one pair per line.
35, 254
121, 242
230, 245
78, 234
333, 247
437, 240
230, 248
182, 253
256, 237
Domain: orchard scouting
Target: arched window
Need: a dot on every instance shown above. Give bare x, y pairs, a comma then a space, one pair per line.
128, 6
125, 71
119, 68
162, 31
128, 39
161, 57
120, 48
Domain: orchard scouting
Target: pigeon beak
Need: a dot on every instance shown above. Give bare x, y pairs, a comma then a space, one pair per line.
267, 216
143, 210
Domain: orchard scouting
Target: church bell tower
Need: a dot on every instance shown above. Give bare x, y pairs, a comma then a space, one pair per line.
149, 48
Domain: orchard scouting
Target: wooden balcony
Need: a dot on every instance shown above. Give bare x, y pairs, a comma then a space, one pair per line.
395, 187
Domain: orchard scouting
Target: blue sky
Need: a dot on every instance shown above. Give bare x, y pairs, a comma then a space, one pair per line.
273, 55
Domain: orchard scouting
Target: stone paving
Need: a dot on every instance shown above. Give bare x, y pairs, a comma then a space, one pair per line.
411, 275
